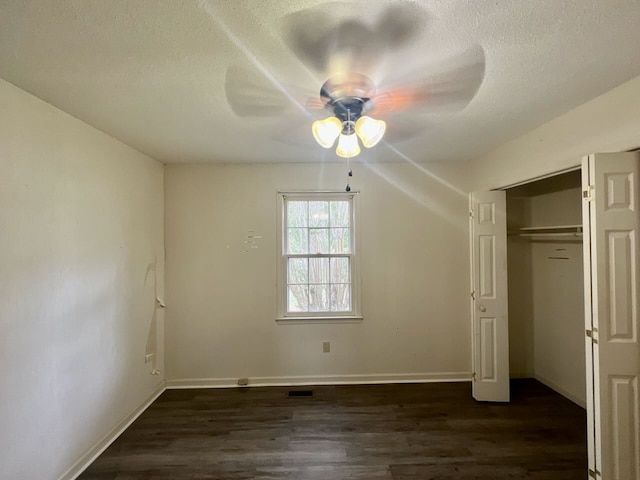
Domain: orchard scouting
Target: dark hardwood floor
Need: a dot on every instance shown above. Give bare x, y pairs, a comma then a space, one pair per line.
415, 431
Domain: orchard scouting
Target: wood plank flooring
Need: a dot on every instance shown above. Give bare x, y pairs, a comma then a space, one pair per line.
380, 432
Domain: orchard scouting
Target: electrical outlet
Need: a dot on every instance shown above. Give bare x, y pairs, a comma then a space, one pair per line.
326, 347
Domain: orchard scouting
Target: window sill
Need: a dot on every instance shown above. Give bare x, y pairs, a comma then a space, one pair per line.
328, 319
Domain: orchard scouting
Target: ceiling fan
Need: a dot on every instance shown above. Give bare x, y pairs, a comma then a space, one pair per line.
349, 52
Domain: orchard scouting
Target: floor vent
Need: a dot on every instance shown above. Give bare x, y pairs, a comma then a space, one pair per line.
300, 393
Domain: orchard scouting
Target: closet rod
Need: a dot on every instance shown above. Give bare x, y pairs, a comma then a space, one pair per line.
556, 234
576, 227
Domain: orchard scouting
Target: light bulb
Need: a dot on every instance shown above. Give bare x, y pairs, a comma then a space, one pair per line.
370, 130
348, 146
326, 131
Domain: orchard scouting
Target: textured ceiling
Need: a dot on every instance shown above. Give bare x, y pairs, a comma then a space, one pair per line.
165, 76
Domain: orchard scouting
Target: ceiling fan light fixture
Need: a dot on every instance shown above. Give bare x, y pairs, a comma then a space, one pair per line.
326, 131
348, 146
370, 130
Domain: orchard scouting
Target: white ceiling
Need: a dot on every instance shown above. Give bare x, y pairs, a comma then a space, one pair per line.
152, 72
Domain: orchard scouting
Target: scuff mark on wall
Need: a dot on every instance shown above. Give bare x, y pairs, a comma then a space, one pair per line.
252, 241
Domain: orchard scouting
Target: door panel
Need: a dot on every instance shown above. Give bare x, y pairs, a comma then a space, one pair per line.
487, 267
488, 365
614, 226
488, 231
620, 274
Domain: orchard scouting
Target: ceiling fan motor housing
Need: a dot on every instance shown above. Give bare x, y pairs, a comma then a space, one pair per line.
348, 109
347, 96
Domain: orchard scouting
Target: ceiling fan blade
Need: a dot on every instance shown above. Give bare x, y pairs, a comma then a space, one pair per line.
354, 36
296, 134
402, 127
314, 103
399, 24
250, 94
451, 89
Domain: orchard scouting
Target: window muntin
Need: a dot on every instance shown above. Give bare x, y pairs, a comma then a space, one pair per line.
318, 255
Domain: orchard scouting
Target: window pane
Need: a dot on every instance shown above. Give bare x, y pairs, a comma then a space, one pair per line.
297, 215
318, 270
340, 270
318, 214
298, 298
340, 298
319, 298
298, 271
339, 240
297, 240
339, 214
318, 240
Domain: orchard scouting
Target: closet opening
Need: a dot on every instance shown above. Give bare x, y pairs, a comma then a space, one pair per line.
546, 284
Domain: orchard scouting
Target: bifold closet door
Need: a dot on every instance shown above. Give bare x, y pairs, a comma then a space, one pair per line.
490, 344
612, 263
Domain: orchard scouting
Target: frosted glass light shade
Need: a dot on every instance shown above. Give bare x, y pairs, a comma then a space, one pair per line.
326, 131
348, 146
370, 130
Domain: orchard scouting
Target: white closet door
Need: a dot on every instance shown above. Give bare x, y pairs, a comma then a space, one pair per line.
488, 231
588, 320
613, 229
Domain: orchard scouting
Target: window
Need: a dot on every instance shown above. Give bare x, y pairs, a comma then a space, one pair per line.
317, 275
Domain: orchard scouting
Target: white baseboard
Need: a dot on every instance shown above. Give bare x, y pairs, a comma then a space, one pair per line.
77, 468
322, 380
561, 391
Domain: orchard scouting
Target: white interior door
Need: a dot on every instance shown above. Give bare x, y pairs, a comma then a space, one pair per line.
612, 262
490, 345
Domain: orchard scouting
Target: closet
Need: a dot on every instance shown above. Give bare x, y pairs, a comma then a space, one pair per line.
555, 289
545, 273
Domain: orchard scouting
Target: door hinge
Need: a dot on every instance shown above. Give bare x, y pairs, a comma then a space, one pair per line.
587, 193
473, 295
594, 473
473, 376
593, 335
471, 213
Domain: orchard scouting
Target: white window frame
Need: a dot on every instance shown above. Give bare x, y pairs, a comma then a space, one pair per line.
355, 314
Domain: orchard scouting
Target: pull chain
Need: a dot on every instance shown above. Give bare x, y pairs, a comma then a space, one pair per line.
349, 171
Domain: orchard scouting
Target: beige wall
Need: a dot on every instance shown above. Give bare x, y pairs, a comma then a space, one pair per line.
221, 300
609, 123
81, 219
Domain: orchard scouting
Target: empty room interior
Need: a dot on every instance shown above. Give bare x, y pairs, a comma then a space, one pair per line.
319, 240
